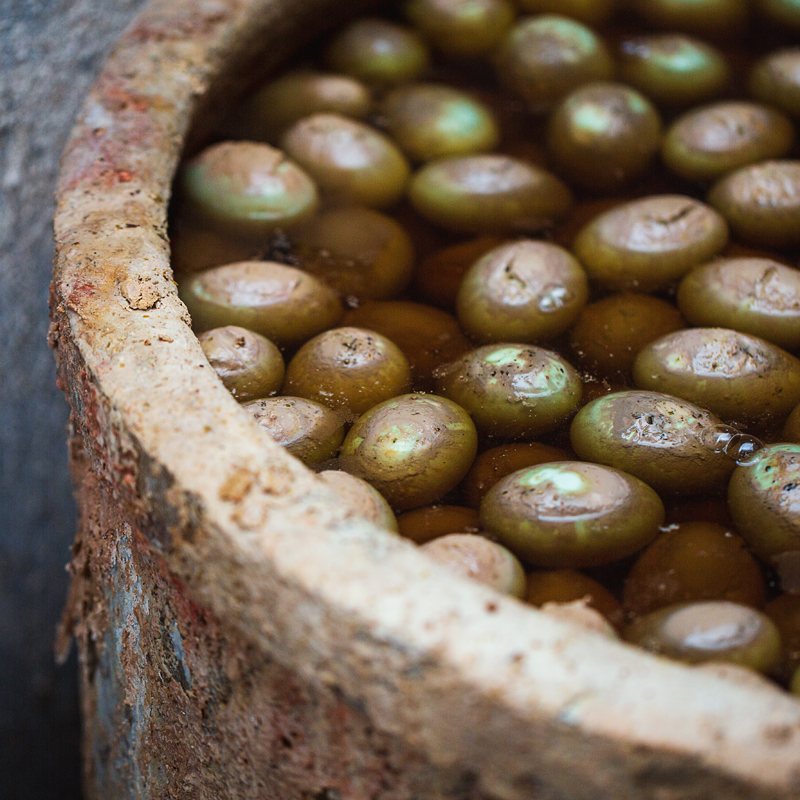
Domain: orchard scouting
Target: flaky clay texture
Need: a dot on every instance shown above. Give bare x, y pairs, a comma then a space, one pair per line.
241, 633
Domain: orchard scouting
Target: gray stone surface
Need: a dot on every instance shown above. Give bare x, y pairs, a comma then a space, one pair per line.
50, 51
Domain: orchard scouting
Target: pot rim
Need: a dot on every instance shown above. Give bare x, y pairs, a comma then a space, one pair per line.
460, 673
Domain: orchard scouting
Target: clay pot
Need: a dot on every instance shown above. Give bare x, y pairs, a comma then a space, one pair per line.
240, 634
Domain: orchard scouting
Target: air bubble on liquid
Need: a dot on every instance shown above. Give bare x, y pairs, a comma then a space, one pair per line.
717, 437
554, 297
745, 450
742, 448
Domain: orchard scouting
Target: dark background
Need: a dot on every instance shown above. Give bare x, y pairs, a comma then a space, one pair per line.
50, 51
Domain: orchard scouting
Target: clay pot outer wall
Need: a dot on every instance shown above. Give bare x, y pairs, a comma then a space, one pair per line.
518, 704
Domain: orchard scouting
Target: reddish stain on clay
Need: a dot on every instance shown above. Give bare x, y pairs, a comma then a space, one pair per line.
94, 172
90, 424
339, 716
177, 25
81, 292
189, 612
104, 177
100, 157
116, 99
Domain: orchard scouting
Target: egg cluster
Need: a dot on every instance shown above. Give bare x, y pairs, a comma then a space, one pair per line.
523, 273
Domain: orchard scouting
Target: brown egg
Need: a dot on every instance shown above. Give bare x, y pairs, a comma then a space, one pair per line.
567, 585
497, 462
474, 557
694, 561
424, 524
